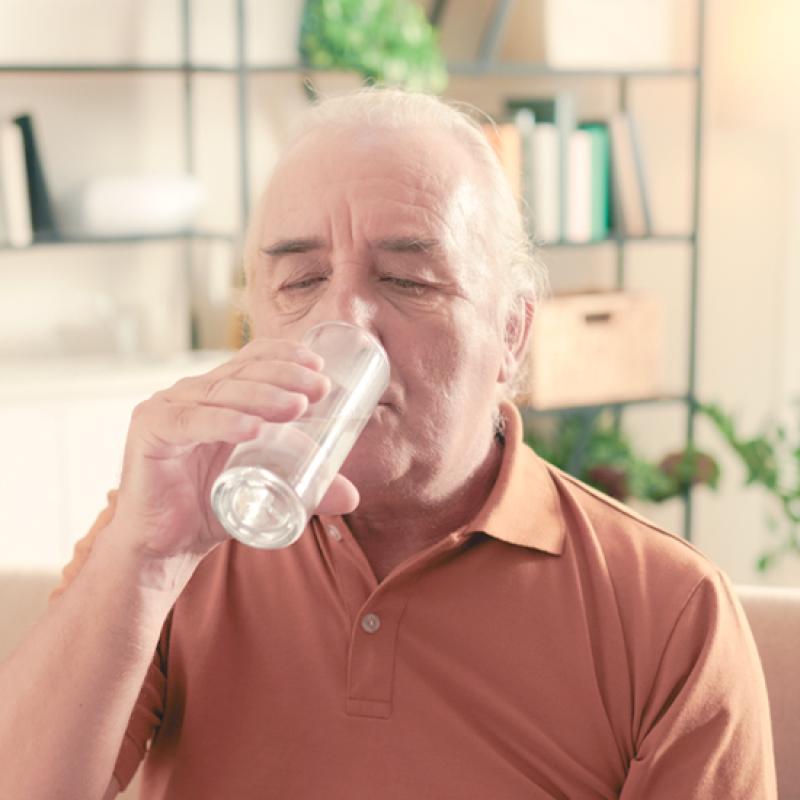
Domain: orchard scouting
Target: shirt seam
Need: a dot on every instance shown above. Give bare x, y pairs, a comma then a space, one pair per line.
703, 579
630, 514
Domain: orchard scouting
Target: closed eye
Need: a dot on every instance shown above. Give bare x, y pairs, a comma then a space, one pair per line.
405, 283
306, 283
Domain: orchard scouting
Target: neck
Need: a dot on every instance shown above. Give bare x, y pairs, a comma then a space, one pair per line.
391, 532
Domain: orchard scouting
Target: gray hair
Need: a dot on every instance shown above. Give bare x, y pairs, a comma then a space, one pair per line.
506, 242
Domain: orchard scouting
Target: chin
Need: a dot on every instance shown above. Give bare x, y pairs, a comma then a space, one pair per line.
375, 461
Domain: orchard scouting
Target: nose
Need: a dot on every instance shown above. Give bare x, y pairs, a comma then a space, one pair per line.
350, 301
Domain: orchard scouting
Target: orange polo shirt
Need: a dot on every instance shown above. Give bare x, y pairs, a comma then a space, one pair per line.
559, 647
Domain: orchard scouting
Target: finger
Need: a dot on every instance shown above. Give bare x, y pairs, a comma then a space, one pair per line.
165, 424
282, 349
341, 498
286, 375
271, 403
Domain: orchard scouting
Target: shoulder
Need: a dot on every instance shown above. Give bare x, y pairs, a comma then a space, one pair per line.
623, 533
646, 566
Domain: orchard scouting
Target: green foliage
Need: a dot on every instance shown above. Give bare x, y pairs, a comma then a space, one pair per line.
772, 461
594, 450
387, 41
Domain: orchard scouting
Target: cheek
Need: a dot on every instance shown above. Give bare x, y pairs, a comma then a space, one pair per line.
456, 364
264, 319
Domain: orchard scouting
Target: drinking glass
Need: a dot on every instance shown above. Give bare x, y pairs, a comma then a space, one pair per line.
270, 485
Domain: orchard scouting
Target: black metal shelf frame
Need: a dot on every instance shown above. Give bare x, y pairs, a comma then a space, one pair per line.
486, 65
494, 69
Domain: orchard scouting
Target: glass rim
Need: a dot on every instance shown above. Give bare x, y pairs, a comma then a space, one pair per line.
351, 326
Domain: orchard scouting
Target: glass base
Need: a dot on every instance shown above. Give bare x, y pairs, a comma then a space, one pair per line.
258, 508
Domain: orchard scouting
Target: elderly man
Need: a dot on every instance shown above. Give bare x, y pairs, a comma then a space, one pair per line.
460, 619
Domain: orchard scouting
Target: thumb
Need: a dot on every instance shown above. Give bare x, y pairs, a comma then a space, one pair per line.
341, 498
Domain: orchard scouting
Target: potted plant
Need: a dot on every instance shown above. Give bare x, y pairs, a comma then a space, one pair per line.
772, 462
594, 449
590, 446
386, 41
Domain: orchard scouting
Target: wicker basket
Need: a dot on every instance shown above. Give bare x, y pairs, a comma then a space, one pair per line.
595, 348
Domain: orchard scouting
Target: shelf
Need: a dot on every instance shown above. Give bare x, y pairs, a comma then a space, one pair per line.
114, 68
230, 237
497, 69
660, 238
156, 237
667, 399
489, 69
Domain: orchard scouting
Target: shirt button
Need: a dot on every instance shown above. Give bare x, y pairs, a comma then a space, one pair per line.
333, 532
370, 622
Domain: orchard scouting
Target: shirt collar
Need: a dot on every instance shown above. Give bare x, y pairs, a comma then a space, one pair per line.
523, 507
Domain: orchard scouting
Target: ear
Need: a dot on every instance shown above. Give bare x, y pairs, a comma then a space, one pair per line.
519, 321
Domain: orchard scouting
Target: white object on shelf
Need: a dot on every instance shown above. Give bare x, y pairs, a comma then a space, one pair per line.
630, 189
130, 205
616, 34
545, 156
14, 197
579, 209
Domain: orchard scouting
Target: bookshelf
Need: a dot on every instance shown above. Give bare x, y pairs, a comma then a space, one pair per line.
484, 66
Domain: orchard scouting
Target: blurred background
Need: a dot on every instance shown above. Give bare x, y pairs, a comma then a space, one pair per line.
652, 146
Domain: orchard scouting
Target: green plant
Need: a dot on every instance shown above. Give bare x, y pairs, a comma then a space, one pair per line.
595, 450
386, 41
772, 461
591, 447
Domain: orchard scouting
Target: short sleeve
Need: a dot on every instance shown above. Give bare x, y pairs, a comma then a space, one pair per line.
148, 710
706, 731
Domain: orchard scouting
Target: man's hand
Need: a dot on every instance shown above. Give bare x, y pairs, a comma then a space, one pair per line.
180, 439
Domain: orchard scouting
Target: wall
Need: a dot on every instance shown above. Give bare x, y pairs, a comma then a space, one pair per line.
750, 292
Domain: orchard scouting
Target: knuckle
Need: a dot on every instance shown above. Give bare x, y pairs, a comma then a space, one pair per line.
182, 418
211, 389
141, 409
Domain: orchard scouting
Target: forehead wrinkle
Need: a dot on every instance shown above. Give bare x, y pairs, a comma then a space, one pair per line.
444, 193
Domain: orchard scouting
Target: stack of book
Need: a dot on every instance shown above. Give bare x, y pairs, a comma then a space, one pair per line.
580, 182
26, 214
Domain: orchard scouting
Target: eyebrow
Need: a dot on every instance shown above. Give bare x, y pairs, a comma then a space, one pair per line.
409, 244
286, 246
393, 244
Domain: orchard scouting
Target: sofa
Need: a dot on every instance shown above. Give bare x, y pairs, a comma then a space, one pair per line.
773, 613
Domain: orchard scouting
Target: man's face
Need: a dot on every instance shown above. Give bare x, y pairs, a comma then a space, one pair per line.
379, 229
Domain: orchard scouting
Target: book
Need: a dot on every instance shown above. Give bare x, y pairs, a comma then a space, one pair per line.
545, 155
18, 223
558, 110
506, 142
42, 217
579, 190
630, 191
601, 178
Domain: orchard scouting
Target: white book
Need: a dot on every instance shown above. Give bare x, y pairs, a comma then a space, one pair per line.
545, 184
631, 202
579, 171
14, 186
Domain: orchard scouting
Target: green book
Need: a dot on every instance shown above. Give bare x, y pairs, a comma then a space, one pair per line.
601, 178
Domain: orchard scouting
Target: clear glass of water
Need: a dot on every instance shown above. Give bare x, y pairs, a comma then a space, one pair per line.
271, 485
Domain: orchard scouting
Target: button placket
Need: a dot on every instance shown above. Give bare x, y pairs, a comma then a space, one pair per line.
375, 634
